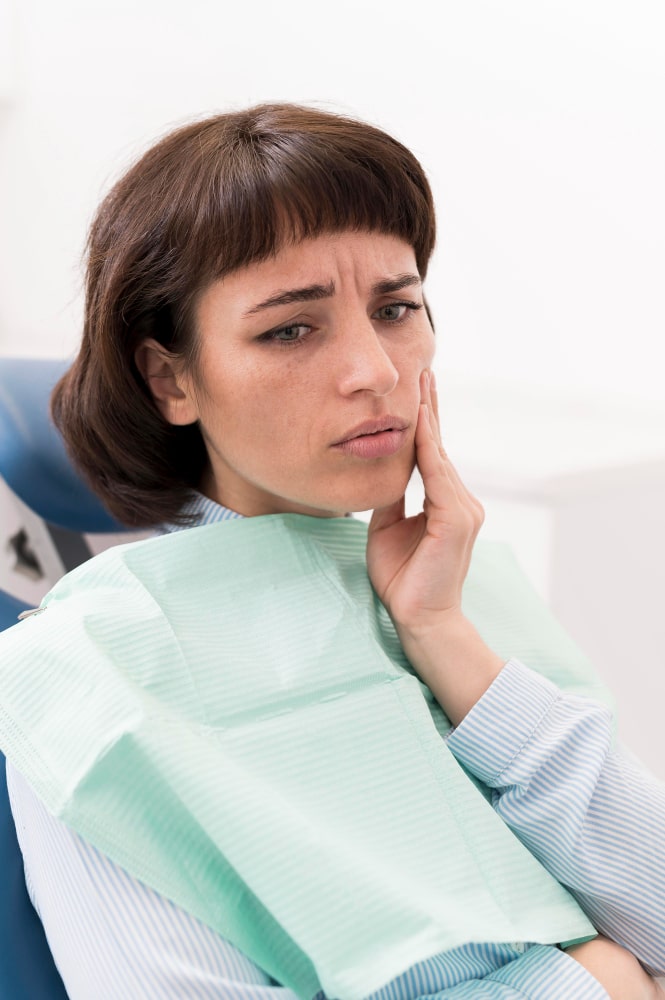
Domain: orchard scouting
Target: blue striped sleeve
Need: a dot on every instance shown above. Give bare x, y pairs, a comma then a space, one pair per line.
592, 815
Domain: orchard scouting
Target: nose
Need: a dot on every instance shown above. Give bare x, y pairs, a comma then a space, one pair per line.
364, 363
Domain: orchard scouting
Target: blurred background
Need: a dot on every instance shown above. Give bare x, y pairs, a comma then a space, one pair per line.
542, 128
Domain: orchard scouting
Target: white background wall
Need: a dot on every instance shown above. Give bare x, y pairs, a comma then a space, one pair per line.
541, 124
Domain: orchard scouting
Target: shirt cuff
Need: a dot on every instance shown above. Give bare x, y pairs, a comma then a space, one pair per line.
502, 722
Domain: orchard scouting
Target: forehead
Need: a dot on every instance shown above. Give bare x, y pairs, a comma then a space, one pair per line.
333, 260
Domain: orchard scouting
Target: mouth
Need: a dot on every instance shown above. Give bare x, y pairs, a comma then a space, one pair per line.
374, 438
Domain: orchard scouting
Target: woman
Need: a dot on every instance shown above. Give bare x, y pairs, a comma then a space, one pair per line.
228, 780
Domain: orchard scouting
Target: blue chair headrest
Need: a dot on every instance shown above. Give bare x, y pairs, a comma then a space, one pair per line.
33, 460
35, 466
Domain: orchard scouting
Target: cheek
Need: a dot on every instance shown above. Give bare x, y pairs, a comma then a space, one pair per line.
416, 355
260, 409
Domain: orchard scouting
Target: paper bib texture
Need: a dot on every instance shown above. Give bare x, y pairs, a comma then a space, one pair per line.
227, 713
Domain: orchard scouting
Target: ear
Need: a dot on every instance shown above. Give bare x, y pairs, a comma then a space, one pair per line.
170, 388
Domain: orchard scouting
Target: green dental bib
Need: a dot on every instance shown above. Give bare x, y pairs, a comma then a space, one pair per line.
227, 713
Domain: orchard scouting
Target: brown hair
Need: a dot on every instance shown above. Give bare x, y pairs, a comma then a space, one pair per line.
206, 200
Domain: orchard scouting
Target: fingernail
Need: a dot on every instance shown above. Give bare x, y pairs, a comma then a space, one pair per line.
432, 380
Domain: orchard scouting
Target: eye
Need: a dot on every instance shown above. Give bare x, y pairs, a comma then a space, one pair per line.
287, 335
396, 312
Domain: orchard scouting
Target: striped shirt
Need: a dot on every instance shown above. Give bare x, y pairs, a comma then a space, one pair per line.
591, 815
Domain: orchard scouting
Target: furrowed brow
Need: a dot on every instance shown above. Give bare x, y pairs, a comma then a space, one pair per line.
310, 293
396, 284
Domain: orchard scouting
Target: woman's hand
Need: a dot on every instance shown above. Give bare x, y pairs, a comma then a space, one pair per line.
418, 565
616, 969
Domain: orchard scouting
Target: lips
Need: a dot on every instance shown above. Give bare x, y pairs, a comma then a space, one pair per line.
378, 426
374, 438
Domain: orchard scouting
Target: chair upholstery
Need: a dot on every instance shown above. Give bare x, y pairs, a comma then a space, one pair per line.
34, 464
33, 460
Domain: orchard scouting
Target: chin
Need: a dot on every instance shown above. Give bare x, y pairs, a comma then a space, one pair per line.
377, 495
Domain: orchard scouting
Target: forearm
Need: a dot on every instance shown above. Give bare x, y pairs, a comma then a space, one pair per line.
592, 817
454, 662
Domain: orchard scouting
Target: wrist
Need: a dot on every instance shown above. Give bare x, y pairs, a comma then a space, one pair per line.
453, 660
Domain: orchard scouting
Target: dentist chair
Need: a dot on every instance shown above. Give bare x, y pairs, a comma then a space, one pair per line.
46, 512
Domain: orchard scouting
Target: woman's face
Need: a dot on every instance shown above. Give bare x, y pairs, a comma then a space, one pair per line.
308, 373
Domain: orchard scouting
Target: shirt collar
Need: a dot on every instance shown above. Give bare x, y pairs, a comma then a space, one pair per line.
200, 510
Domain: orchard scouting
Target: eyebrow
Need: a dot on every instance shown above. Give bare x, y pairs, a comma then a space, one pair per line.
311, 293
396, 284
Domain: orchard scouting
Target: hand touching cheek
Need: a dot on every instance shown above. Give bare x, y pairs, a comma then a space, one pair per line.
418, 565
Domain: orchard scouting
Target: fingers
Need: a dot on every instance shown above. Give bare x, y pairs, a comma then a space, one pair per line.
446, 501
432, 462
439, 475
429, 396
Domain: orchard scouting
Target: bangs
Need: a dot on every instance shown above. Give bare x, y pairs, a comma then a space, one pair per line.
272, 186
229, 191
